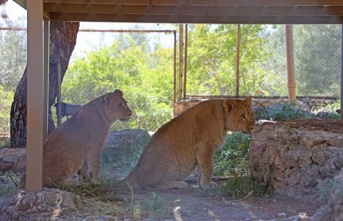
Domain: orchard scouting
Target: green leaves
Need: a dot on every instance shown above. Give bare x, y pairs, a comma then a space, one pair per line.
212, 59
146, 78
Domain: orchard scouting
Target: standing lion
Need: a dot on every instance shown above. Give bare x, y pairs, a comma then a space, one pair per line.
190, 140
76, 145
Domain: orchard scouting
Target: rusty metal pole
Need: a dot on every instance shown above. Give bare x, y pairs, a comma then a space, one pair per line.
35, 95
290, 63
180, 61
185, 69
238, 46
174, 100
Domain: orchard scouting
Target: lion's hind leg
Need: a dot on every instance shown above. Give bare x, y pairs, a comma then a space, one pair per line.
59, 168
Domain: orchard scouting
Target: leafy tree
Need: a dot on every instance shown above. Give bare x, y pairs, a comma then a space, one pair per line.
13, 49
145, 78
317, 59
275, 66
212, 58
5, 107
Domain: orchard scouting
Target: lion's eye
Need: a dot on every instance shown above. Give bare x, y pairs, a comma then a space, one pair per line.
243, 116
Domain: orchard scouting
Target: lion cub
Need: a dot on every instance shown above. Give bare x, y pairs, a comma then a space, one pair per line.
76, 145
189, 140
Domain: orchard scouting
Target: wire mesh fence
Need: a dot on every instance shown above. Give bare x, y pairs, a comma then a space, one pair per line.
142, 65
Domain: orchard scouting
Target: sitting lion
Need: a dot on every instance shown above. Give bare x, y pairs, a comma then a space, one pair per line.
76, 145
190, 140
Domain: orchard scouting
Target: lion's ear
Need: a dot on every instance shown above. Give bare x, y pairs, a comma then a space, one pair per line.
117, 91
248, 100
229, 105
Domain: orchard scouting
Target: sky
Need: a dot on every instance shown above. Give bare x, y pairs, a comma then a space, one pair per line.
87, 41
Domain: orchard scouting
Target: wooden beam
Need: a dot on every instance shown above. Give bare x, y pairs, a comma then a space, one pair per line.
198, 19
196, 10
206, 2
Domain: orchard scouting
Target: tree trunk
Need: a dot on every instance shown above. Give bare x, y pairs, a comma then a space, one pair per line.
62, 42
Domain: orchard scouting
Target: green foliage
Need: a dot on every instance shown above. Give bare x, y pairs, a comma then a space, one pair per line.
231, 159
145, 78
5, 108
13, 49
5, 142
212, 58
282, 111
240, 187
9, 183
316, 59
317, 51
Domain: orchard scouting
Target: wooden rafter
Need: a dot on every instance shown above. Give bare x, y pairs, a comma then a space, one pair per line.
197, 11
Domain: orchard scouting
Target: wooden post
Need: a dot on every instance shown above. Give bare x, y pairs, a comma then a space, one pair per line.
46, 75
35, 95
180, 61
290, 63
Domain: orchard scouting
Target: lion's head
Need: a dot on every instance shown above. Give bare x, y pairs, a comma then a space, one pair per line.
116, 106
239, 115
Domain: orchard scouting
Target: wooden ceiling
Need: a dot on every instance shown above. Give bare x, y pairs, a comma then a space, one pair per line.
196, 11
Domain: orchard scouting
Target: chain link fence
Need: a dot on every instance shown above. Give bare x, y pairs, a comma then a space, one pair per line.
317, 54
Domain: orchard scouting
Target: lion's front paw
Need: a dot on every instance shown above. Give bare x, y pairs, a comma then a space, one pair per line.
95, 180
211, 185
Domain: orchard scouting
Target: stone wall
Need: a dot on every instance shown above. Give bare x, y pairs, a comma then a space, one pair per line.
298, 159
305, 103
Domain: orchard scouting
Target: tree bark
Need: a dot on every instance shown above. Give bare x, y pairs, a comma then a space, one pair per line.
62, 42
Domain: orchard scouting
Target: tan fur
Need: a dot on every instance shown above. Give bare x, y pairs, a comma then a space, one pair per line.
76, 145
190, 140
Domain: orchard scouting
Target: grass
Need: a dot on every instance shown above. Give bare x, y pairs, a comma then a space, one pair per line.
9, 183
5, 142
105, 199
231, 161
244, 187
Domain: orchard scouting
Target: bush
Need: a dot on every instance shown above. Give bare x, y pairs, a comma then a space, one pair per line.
282, 111
231, 159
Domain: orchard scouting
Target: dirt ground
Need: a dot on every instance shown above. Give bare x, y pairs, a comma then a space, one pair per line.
194, 204
191, 204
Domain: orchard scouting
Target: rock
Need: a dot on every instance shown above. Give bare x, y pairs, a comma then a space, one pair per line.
281, 215
38, 206
311, 138
124, 142
13, 159
336, 141
334, 209
318, 155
